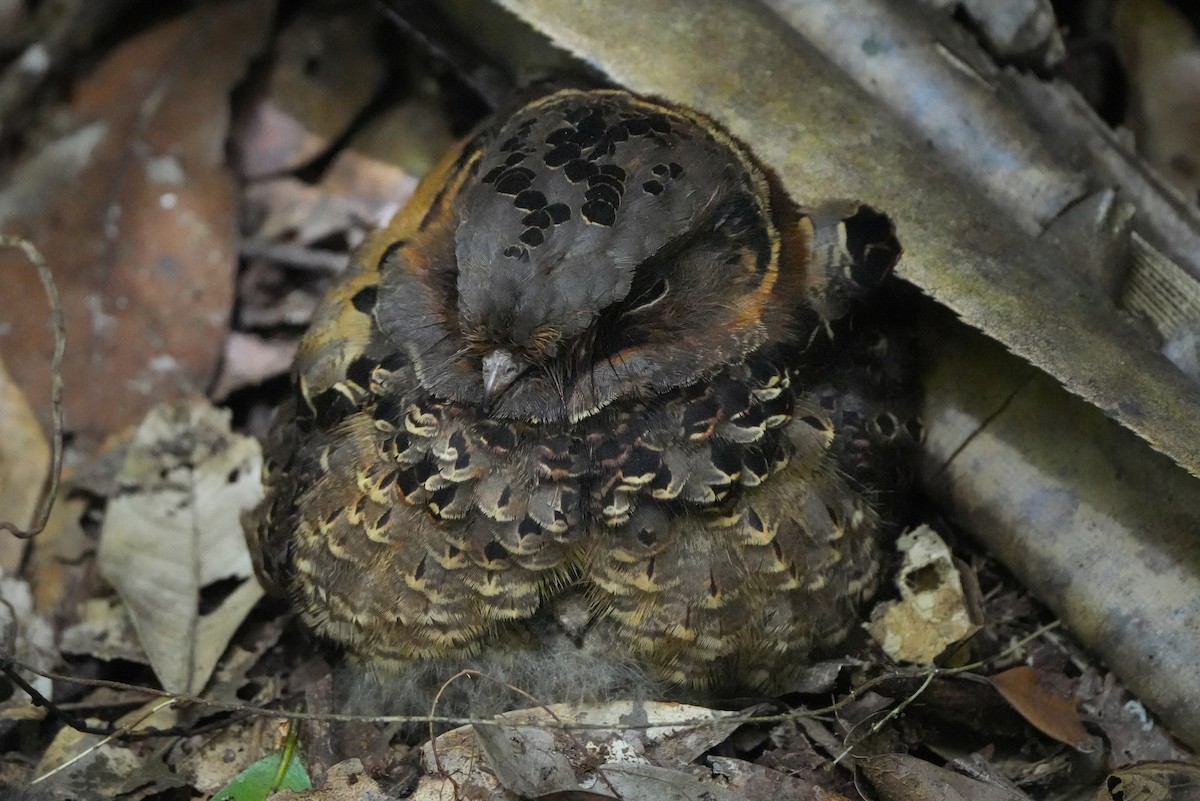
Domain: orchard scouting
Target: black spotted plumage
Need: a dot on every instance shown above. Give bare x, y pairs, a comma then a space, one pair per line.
598, 352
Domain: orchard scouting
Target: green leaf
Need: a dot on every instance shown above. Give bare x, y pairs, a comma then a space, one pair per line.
254, 783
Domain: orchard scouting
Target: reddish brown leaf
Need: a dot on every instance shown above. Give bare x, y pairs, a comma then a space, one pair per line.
1050, 713
135, 212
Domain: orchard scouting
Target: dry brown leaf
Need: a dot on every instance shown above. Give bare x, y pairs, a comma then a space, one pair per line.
174, 531
56, 559
135, 212
104, 771
762, 783
900, 777
24, 460
324, 73
464, 764
1049, 712
1147, 781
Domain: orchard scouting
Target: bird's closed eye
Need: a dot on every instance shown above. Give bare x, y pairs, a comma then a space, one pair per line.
650, 296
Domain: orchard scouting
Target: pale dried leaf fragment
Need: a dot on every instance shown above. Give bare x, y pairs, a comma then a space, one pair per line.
761, 782
324, 73
250, 360
347, 781
173, 530
104, 631
932, 614
1146, 781
25, 636
92, 767
24, 460
619, 756
532, 761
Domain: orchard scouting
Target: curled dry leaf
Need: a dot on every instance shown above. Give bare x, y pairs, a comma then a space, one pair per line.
173, 534
932, 614
1051, 713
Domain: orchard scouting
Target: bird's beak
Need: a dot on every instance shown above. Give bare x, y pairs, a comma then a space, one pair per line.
500, 370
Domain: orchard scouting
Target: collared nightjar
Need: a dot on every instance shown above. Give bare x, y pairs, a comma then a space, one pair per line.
602, 352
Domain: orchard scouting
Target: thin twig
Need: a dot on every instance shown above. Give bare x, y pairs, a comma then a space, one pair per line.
50, 486
934, 673
123, 730
783, 717
892, 713
469, 672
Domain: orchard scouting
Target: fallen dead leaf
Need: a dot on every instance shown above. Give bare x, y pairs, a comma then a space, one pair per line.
56, 557
1146, 781
105, 632
173, 531
900, 777
104, 770
325, 72
1049, 712
24, 460
25, 636
347, 782
932, 614
523, 757
761, 782
532, 761
135, 212
250, 360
